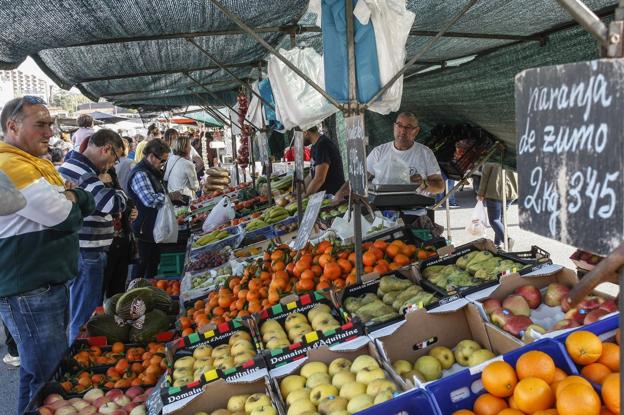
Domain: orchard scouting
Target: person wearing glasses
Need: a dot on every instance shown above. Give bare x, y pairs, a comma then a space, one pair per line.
39, 244
146, 188
88, 171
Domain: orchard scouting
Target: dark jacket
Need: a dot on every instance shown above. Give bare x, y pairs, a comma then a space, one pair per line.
143, 226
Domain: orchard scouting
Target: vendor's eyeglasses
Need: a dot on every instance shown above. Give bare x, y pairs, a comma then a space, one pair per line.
405, 127
28, 99
115, 154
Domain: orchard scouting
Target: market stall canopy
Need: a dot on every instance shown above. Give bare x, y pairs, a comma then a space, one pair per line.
138, 53
107, 118
205, 118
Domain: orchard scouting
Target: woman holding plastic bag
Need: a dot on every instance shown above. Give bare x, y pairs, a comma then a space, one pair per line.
491, 192
156, 220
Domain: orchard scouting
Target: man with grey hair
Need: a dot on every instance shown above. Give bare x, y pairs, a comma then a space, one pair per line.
85, 129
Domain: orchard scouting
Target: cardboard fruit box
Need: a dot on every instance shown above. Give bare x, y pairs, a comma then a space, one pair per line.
425, 331
216, 395
372, 285
550, 319
326, 356
347, 331
252, 369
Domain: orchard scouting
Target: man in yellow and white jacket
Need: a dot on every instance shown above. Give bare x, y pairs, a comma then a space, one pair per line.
38, 244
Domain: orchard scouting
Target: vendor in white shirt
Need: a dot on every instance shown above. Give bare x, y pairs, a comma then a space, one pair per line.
424, 168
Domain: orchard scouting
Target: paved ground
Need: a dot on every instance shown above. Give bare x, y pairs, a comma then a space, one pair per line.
523, 240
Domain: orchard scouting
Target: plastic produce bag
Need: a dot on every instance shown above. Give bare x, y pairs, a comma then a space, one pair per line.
221, 213
166, 226
391, 170
479, 220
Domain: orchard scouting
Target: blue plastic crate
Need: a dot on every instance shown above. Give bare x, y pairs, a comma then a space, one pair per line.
605, 328
414, 402
460, 390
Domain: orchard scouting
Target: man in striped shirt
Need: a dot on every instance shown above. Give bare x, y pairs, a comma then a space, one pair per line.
88, 171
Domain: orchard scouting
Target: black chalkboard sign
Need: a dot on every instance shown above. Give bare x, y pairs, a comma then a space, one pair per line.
154, 402
356, 154
309, 219
570, 153
299, 155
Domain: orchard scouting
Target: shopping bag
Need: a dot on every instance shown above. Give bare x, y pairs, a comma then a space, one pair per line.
223, 212
166, 226
479, 220
391, 170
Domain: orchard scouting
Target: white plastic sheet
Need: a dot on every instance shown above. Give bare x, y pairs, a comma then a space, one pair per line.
254, 112
297, 104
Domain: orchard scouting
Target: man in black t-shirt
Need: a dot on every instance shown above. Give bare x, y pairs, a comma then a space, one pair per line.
326, 171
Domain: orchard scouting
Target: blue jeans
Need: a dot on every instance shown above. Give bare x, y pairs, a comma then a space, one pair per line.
85, 291
495, 216
37, 321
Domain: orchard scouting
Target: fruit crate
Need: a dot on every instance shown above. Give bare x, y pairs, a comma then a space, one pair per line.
237, 234
536, 254
459, 391
414, 402
44, 390
171, 264
258, 235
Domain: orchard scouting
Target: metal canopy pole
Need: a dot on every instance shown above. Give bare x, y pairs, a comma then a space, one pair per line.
207, 108
424, 50
274, 51
234, 152
586, 18
212, 94
232, 74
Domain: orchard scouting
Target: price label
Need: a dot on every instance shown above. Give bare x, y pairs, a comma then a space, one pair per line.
570, 153
309, 219
299, 155
263, 145
356, 155
154, 402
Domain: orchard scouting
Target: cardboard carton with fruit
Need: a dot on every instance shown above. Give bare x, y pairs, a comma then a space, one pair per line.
528, 308
288, 330
222, 398
227, 352
429, 345
329, 382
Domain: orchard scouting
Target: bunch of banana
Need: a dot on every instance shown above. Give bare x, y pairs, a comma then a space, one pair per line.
211, 237
255, 224
275, 214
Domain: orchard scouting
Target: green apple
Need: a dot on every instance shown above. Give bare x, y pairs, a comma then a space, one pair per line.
220, 412
430, 367
202, 352
291, 383
343, 377
318, 378
332, 405
300, 407
480, 356
321, 392
444, 355
402, 366
225, 362
257, 400
311, 368
303, 393
270, 325
464, 349
295, 319
182, 373
318, 309
237, 403
359, 403
221, 351
239, 335
367, 375
379, 385
363, 361
352, 389
178, 383
338, 365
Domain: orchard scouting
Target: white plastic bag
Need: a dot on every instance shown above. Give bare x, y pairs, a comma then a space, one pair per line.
391, 170
166, 226
223, 212
479, 220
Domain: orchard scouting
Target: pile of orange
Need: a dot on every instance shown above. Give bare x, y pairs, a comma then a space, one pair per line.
135, 366
283, 271
171, 287
536, 386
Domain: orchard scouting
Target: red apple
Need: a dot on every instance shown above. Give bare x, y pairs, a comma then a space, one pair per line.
594, 315
517, 305
88, 410
140, 398
113, 393
134, 392
516, 325
564, 324
576, 315
609, 306
101, 401
531, 294
565, 304
554, 294
590, 302
491, 304
53, 397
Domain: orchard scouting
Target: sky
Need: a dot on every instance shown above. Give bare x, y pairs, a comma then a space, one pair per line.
30, 67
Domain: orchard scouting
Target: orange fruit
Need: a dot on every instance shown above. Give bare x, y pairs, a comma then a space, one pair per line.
584, 347
510, 411
499, 379
392, 250
380, 244
512, 403
550, 411
487, 404
605, 411
610, 356
381, 268
569, 380
578, 399
559, 375
533, 394
611, 392
463, 412
369, 259
536, 364
118, 347
332, 271
401, 259
379, 254
596, 372
346, 265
